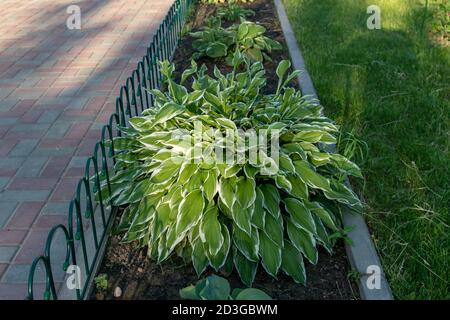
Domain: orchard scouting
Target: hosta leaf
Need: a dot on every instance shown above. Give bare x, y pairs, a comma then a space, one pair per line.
242, 31
259, 214
271, 199
292, 263
242, 217
187, 170
216, 288
227, 192
323, 214
190, 211
286, 164
270, 254
254, 29
218, 260
173, 238
250, 171
252, 294
245, 268
210, 231
282, 68
283, 183
247, 244
343, 194
322, 234
245, 192
167, 112
303, 241
299, 188
210, 185
167, 170
274, 229
311, 177
226, 123
300, 214
199, 258
216, 50
189, 293
254, 54
346, 165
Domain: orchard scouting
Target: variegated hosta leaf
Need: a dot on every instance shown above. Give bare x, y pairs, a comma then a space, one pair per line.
274, 210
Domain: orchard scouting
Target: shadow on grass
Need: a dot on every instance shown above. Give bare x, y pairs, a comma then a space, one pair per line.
390, 87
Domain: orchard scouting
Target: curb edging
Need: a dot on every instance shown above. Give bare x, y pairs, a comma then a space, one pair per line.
362, 253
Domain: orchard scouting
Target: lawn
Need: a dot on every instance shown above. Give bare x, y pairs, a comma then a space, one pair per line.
389, 88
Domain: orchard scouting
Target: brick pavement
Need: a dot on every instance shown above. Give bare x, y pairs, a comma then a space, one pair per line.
57, 88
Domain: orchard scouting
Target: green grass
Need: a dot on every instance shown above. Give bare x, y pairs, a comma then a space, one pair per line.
391, 89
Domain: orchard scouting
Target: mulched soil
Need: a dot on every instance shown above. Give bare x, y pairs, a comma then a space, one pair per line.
128, 267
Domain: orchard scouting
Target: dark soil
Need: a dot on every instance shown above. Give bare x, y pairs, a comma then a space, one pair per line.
265, 14
128, 267
140, 278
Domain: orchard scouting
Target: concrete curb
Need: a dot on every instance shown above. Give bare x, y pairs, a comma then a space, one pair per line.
362, 253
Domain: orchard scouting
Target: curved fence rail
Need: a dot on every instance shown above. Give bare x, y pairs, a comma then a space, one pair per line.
84, 238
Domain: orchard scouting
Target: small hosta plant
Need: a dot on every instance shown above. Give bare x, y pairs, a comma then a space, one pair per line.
233, 12
218, 288
197, 185
248, 37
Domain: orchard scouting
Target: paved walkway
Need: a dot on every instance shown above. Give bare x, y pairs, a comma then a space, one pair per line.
57, 88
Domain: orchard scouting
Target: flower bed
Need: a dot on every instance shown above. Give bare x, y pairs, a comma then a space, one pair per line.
127, 265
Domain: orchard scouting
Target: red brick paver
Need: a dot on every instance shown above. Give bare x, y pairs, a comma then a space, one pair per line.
56, 87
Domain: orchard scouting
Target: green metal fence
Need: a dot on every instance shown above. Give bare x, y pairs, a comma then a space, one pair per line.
99, 213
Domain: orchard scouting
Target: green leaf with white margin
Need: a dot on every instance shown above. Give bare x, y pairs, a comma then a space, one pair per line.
270, 254
274, 229
283, 183
346, 165
292, 263
199, 258
323, 214
341, 193
210, 230
271, 199
286, 164
167, 170
169, 111
217, 50
282, 68
226, 192
210, 185
299, 188
245, 192
259, 214
303, 241
190, 211
300, 214
218, 261
322, 235
252, 294
226, 123
242, 217
311, 177
242, 31
247, 244
245, 268
186, 172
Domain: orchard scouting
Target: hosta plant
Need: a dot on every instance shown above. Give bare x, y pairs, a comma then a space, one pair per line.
272, 209
248, 37
218, 288
233, 11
